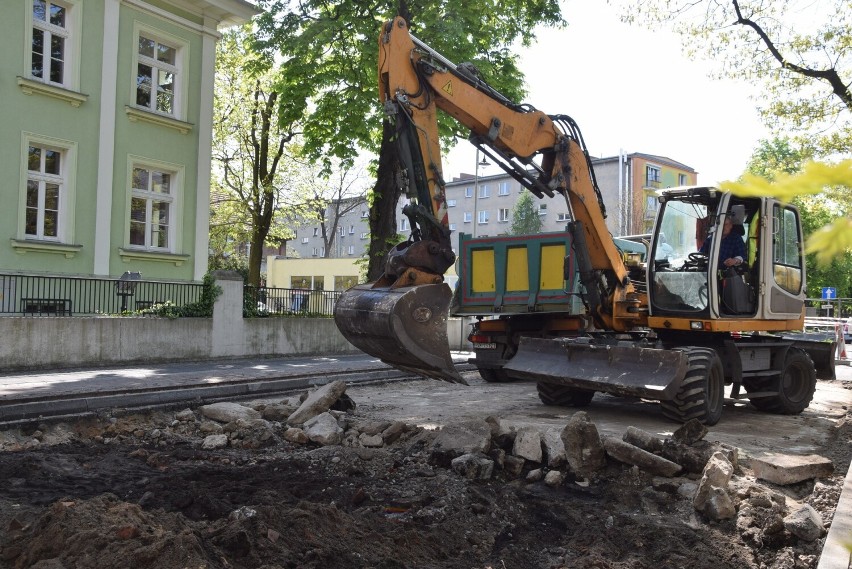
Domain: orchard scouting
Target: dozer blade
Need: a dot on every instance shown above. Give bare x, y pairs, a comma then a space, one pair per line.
404, 327
621, 370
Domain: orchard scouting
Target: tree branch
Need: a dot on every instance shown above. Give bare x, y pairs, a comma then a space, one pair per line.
828, 75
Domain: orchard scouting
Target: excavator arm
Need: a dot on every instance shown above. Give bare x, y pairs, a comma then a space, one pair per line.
546, 154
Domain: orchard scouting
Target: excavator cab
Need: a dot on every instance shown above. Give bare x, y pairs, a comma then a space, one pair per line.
724, 258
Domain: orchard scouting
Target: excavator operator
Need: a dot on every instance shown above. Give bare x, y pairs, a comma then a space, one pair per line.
732, 248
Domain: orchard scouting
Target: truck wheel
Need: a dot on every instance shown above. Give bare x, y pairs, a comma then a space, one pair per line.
563, 396
795, 386
702, 393
492, 375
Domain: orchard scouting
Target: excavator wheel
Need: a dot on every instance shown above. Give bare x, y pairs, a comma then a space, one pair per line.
563, 396
702, 392
492, 375
795, 386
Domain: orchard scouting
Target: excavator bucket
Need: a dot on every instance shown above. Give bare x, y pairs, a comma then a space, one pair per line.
621, 370
405, 327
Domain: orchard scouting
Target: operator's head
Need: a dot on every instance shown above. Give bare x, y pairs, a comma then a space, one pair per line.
729, 224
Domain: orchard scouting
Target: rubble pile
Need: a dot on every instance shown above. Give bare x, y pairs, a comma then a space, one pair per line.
495, 480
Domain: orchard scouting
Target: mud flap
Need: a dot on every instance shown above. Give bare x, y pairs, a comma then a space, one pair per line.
643, 372
404, 327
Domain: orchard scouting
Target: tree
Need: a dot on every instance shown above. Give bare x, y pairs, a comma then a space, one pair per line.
250, 142
329, 50
328, 198
798, 49
525, 217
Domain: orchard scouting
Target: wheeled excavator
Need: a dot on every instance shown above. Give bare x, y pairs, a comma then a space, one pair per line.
676, 326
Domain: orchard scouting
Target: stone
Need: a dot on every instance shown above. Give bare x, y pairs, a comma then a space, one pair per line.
372, 441
456, 439
718, 471
535, 475
502, 433
513, 466
393, 431
789, 469
630, 454
212, 442
318, 402
554, 478
473, 466
323, 429
584, 450
805, 523
227, 412
185, 415
554, 449
690, 432
528, 444
643, 440
718, 505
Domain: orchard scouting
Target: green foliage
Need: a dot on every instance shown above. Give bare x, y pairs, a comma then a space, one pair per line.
823, 194
328, 53
202, 308
525, 217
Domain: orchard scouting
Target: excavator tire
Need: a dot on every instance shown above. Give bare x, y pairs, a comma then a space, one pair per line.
702, 392
795, 386
562, 395
492, 375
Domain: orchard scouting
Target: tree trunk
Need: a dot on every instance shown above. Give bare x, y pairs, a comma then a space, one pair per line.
258, 237
383, 210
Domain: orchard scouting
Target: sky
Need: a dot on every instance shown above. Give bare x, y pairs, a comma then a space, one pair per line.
631, 88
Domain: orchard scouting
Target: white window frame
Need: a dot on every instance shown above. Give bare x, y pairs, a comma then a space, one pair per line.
72, 34
67, 192
503, 189
351, 230
542, 209
350, 250
364, 214
468, 217
316, 231
365, 235
482, 217
403, 224
180, 70
562, 217
174, 198
468, 192
484, 191
305, 240
342, 231
452, 227
451, 203
503, 214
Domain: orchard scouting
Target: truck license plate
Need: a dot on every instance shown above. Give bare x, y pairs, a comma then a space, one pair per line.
485, 346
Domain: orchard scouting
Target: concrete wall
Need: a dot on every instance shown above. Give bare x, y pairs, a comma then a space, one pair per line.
56, 342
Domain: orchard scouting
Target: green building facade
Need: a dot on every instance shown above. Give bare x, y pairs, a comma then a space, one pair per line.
105, 133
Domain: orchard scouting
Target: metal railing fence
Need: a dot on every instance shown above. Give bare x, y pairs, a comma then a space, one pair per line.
39, 295
262, 301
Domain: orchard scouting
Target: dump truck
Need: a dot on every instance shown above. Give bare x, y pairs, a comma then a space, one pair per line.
704, 308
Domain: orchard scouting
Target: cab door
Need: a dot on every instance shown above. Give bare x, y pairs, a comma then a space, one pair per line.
783, 263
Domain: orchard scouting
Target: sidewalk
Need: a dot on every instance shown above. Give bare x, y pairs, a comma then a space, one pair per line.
56, 393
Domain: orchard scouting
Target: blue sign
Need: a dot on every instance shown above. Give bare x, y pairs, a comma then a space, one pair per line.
829, 293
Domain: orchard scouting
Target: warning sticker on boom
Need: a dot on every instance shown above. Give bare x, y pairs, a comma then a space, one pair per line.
448, 88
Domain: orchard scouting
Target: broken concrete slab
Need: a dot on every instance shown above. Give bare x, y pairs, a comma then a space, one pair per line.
583, 446
790, 469
690, 432
323, 429
456, 439
528, 444
317, 402
473, 466
643, 440
631, 454
227, 412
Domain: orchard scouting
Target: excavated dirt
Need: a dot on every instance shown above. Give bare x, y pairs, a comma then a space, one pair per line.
140, 491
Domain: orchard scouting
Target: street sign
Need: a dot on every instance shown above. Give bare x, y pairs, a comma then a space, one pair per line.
829, 293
